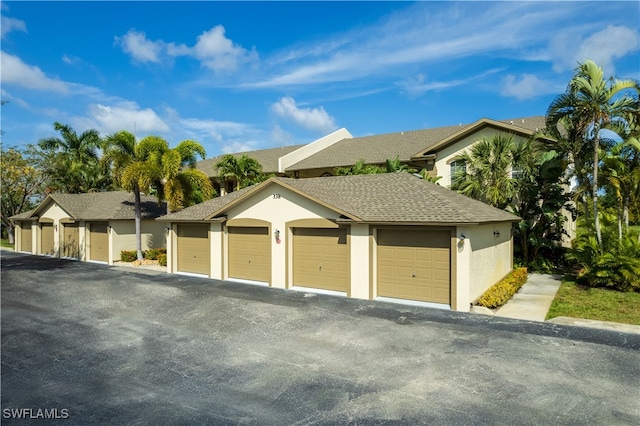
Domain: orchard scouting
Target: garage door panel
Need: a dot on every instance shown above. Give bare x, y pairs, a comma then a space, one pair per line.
71, 241
194, 254
46, 239
321, 258
99, 242
414, 265
249, 253
26, 238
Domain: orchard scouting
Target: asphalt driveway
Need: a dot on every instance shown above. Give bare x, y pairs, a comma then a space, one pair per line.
109, 346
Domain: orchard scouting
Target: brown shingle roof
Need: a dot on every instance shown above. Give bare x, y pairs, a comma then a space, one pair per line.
268, 158
378, 148
103, 205
384, 198
203, 210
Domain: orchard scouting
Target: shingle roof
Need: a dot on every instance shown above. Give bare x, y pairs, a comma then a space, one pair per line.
204, 210
397, 197
377, 148
104, 205
268, 158
23, 215
390, 198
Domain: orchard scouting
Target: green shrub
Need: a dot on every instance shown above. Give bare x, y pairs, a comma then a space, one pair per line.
152, 254
616, 265
162, 259
128, 255
500, 293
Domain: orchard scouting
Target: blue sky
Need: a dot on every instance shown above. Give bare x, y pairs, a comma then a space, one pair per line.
251, 75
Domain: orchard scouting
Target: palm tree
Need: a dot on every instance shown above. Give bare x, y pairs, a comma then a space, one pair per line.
244, 170
136, 166
396, 166
594, 103
487, 173
183, 184
74, 158
360, 168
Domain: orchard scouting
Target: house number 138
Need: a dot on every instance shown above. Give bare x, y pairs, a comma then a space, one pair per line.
276, 196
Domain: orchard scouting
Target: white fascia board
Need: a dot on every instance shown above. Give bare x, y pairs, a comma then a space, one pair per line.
312, 148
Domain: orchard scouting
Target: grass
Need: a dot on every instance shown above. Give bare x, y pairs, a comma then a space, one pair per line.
599, 304
5, 243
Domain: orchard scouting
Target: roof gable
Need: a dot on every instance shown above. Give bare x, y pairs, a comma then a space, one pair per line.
384, 198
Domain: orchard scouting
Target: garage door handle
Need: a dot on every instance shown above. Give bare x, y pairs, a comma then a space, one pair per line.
413, 275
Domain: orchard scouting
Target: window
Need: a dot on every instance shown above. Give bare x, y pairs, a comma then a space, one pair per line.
458, 169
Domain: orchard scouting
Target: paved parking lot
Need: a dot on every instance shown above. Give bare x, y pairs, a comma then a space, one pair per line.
115, 346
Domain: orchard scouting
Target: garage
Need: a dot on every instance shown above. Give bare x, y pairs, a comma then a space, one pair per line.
99, 241
414, 265
321, 258
47, 245
193, 246
26, 237
249, 253
70, 240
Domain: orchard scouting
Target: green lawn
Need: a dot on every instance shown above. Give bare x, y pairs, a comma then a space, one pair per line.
599, 304
5, 243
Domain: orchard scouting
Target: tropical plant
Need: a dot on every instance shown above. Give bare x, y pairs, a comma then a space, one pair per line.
487, 175
594, 104
73, 165
182, 184
396, 166
614, 263
359, 168
621, 175
243, 170
136, 167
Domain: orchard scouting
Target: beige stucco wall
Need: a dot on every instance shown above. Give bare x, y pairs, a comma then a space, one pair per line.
445, 155
487, 258
278, 205
123, 236
360, 255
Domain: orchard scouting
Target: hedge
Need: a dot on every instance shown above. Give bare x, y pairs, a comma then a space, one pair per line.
500, 293
162, 259
128, 255
152, 254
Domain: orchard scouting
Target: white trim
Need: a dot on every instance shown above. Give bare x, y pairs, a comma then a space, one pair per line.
191, 274
250, 282
99, 262
319, 291
413, 303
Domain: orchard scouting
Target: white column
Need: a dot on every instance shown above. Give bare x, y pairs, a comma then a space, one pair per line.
360, 258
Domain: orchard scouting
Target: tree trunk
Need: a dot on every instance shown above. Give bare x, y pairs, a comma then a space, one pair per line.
138, 221
594, 188
11, 232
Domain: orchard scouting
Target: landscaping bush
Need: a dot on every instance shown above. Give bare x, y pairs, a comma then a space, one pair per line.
500, 293
162, 259
128, 255
616, 265
152, 254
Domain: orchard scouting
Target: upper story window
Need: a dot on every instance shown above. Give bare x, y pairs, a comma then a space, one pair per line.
458, 169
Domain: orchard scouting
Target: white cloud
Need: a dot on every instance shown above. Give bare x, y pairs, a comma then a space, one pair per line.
603, 47
126, 115
11, 24
139, 47
217, 52
417, 86
527, 87
237, 146
212, 48
14, 71
310, 118
280, 137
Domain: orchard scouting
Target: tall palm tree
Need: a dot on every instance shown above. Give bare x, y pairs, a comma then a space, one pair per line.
244, 170
136, 167
74, 158
487, 173
183, 184
594, 104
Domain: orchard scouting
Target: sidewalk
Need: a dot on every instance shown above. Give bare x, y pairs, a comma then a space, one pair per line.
533, 300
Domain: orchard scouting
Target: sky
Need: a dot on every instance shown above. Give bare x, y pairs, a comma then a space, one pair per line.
238, 76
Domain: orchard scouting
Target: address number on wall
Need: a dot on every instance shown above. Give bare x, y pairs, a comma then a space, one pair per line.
277, 196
